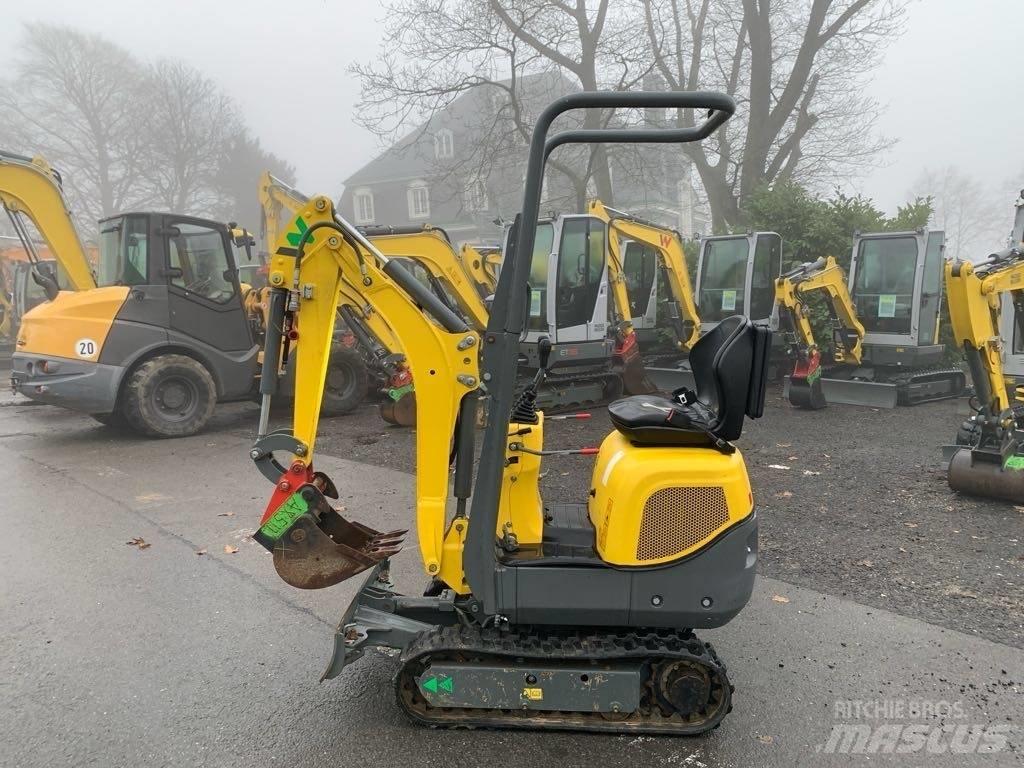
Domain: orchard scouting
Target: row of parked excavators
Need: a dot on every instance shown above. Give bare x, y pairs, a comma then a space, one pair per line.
609, 291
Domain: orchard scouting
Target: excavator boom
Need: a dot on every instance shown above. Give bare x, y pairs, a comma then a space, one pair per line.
991, 465
791, 289
30, 187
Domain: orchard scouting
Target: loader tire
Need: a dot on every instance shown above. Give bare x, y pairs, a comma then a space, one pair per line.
169, 396
347, 379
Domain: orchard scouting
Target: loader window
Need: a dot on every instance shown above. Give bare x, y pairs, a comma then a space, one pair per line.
124, 257
198, 253
580, 267
883, 288
639, 264
542, 246
723, 278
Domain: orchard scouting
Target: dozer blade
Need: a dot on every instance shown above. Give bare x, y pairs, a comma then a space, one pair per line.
989, 479
315, 547
401, 412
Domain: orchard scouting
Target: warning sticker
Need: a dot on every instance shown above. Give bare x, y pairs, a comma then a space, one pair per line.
887, 305
729, 301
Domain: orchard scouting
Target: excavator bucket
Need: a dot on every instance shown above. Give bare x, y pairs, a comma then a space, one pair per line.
805, 389
634, 377
315, 547
400, 412
971, 475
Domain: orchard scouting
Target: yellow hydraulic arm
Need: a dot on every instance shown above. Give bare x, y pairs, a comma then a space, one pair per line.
481, 264
974, 296
667, 244
431, 249
30, 187
306, 277
821, 275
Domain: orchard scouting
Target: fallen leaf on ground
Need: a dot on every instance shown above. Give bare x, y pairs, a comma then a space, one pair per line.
777, 466
783, 494
783, 445
1019, 509
911, 525
811, 472
792, 458
865, 563
200, 551
225, 514
956, 591
765, 739
779, 599
139, 542
902, 550
229, 550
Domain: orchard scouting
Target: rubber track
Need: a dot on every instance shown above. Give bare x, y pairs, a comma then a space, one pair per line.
903, 381
510, 647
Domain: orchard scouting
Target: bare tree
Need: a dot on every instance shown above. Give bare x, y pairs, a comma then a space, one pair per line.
75, 98
976, 219
187, 141
797, 69
452, 47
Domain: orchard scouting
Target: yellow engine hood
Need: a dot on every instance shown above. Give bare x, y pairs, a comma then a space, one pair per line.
74, 325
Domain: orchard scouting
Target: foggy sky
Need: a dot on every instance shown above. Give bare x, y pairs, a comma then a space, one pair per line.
950, 83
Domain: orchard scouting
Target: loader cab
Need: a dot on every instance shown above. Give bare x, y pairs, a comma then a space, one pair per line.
640, 268
736, 276
895, 281
183, 276
569, 291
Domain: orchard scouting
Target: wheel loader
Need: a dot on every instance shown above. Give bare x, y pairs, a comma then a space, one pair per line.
534, 615
163, 330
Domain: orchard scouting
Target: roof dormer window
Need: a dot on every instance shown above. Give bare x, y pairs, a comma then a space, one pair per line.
444, 144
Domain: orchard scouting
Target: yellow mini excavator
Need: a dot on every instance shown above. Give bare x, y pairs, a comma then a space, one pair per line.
991, 463
791, 292
535, 615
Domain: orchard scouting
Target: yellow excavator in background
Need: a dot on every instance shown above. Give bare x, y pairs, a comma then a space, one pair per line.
666, 246
557, 616
992, 462
791, 292
481, 263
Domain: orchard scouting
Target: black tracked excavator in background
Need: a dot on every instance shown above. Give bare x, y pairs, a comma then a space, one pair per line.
535, 615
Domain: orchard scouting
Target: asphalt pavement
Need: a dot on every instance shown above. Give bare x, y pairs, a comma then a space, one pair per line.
186, 652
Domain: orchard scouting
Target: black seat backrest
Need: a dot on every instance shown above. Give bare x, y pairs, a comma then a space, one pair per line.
730, 368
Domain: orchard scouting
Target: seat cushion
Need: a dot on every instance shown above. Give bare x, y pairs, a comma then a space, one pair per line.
656, 420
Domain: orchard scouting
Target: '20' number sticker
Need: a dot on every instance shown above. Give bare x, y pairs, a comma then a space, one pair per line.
85, 348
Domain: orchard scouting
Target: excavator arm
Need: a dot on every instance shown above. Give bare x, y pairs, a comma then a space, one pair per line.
481, 265
791, 289
30, 187
991, 465
313, 545
672, 260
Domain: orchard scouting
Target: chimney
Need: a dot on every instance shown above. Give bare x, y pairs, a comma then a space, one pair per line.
654, 118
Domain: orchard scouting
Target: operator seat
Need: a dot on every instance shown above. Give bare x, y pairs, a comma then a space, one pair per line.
730, 368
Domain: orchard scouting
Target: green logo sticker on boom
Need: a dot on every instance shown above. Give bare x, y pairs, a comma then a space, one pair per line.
728, 301
1015, 463
887, 305
283, 518
293, 238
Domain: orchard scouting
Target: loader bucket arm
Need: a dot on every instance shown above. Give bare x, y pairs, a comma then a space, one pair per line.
509, 310
30, 187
